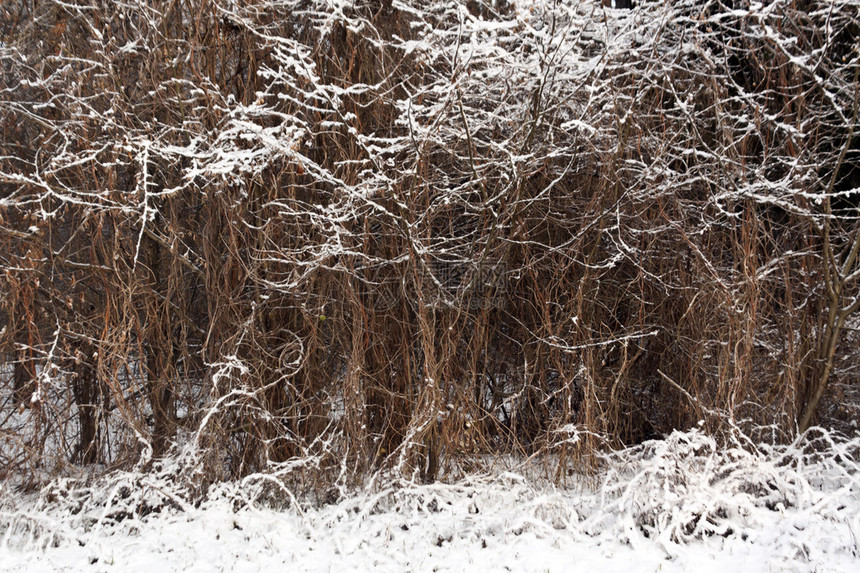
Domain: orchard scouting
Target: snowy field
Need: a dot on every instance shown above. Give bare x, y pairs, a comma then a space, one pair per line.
682, 504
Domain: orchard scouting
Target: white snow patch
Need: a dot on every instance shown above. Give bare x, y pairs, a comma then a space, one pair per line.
681, 504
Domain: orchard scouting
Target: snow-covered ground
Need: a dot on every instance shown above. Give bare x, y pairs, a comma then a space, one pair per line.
682, 504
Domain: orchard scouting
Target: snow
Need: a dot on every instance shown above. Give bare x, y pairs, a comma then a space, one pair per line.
679, 504
685, 503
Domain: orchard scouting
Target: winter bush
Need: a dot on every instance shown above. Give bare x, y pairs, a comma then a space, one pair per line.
329, 241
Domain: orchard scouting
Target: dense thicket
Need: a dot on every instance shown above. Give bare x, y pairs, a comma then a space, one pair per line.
330, 237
